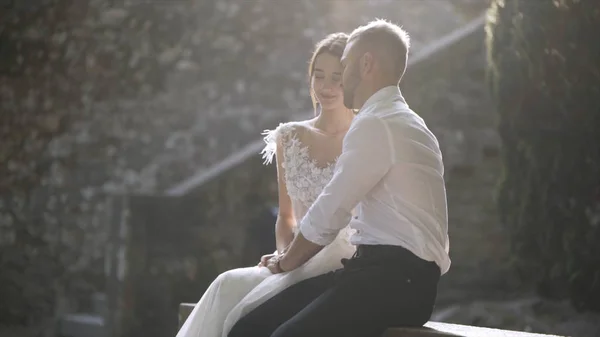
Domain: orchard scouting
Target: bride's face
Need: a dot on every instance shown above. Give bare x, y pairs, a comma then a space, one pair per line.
326, 81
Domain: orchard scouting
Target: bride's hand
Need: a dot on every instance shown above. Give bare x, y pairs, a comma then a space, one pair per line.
264, 259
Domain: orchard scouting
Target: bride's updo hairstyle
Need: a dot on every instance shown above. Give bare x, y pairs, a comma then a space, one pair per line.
333, 44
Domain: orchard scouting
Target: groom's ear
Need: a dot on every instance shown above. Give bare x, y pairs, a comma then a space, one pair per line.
367, 63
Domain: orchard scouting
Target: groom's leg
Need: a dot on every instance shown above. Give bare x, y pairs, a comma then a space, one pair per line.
366, 301
262, 321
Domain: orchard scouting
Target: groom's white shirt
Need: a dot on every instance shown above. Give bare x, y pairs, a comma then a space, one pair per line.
391, 167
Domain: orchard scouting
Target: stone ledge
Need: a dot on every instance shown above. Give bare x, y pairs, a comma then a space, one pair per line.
437, 329
431, 329
185, 309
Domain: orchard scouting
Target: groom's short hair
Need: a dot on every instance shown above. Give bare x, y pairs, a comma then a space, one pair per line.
386, 40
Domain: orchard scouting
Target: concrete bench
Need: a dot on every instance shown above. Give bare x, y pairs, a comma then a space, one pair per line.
431, 329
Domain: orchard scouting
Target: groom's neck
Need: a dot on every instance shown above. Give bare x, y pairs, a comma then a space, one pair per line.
361, 98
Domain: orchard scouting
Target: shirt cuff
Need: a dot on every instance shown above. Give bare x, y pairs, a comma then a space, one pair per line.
312, 234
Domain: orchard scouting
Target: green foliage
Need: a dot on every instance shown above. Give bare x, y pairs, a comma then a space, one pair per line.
545, 74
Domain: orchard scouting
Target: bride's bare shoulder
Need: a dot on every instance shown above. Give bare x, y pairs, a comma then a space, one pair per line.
305, 126
296, 129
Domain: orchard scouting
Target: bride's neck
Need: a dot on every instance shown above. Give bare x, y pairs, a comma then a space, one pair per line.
334, 120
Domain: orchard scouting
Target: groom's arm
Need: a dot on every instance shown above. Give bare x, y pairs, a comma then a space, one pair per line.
366, 157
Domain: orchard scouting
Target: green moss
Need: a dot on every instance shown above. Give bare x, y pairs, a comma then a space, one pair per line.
545, 87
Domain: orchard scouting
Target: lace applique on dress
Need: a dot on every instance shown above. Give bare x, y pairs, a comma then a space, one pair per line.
304, 177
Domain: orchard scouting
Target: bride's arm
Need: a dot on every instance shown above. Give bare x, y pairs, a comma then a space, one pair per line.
286, 221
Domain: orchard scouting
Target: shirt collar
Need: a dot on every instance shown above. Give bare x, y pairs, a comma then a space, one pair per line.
383, 94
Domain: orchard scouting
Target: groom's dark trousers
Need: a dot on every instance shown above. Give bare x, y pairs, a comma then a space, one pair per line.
379, 287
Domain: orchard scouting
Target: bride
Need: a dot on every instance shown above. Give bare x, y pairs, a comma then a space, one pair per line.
306, 153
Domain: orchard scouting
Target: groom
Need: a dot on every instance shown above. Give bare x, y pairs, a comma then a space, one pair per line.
391, 168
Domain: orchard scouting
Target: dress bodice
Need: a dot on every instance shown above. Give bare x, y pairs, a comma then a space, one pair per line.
304, 177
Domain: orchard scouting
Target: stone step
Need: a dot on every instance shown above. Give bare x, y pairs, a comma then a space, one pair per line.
82, 325
431, 329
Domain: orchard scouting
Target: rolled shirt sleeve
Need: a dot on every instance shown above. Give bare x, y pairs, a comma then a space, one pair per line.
366, 157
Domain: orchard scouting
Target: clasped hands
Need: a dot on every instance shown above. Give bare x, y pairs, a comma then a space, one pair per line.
272, 262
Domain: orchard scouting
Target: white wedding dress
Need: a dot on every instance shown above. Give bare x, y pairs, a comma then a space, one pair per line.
236, 292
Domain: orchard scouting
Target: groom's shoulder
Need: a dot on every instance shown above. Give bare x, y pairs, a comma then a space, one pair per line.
403, 121
404, 117
367, 125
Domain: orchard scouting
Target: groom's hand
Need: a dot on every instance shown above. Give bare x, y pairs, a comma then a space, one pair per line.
274, 266
265, 258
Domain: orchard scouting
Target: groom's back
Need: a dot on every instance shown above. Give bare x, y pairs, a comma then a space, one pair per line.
410, 201
418, 162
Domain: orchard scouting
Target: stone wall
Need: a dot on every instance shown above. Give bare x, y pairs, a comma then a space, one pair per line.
94, 95
129, 97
